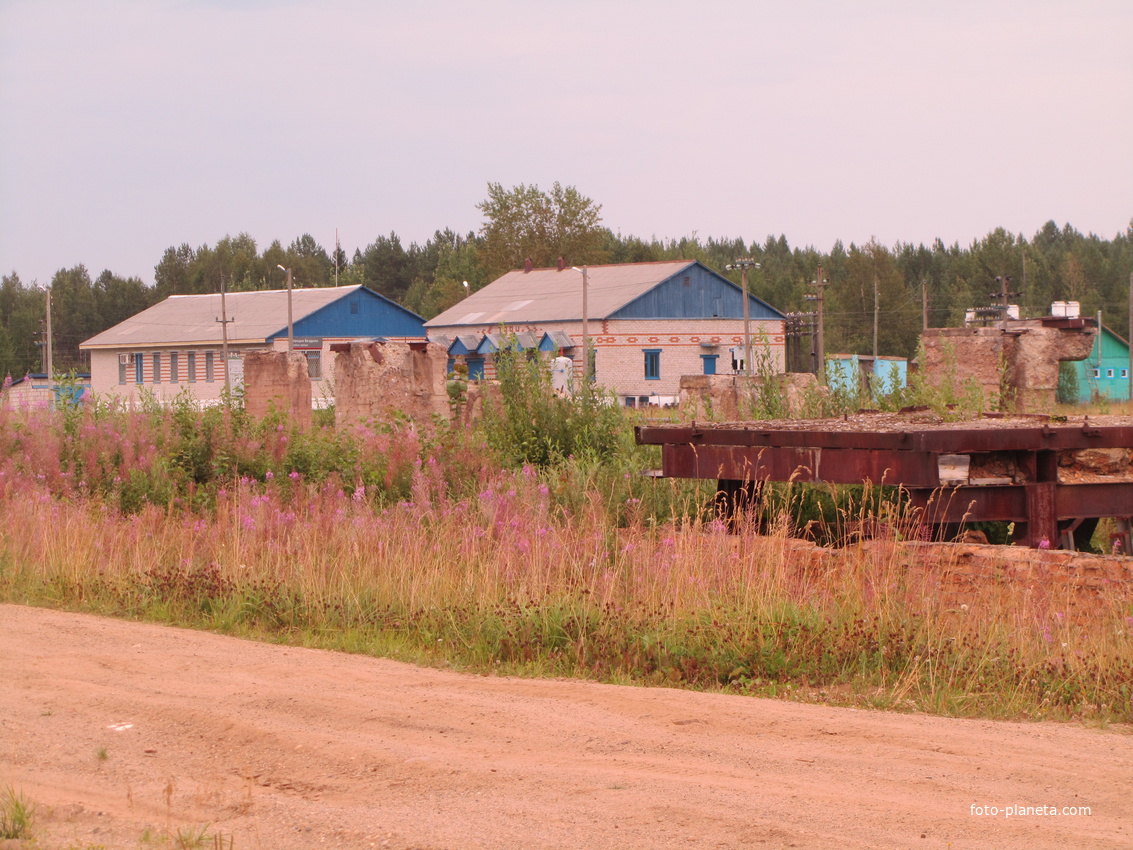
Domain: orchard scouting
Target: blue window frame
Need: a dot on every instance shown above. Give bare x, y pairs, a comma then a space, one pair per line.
139, 366
157, 368
173, 377
652, 364
475, 368
709, 361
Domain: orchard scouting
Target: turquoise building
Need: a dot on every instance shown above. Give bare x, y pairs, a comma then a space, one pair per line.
863, 374
1105, 373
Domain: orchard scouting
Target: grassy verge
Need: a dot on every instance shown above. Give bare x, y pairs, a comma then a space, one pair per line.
559, 573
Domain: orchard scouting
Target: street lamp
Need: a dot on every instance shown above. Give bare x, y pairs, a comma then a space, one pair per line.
585, 325
743, 265
290, 326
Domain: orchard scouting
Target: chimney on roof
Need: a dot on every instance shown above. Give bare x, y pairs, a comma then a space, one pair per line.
528, 265
562, 264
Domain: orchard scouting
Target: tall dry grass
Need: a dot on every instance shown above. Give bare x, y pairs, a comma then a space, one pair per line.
562, 573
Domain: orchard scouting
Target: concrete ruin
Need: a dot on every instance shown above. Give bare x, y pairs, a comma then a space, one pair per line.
1015, 363
278, 380
731, 398
381, 380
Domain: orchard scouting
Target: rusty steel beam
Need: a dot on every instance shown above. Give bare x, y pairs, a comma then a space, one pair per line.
947, 441
1040, 505
836, 466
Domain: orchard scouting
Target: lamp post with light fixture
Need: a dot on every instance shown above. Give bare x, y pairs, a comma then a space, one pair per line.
290, 326
585, 325
743, 265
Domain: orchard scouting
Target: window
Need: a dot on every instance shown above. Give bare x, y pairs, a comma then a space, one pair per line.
122, 364
191, 366
1125, 373
354, 308
157, 368
173, 378
139, 366
210, 367
652, 364
1109, 373
709, 361
314, 365
1097, 373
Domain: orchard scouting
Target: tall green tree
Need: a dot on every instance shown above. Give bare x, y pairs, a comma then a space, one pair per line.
872, 287
21, 320
524, 223
74, 316
117, 298
386, 267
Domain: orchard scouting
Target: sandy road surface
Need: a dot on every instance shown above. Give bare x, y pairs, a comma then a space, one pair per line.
278, 747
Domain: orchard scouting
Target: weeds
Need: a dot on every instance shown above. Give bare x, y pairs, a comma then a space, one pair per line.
16, 814
386, 540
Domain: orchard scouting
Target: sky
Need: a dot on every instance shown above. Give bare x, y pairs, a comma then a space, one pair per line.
129, 126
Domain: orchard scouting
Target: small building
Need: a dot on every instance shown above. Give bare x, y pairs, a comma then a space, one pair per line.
866, 374
649, 324
34, 390
177, 346
1105, 373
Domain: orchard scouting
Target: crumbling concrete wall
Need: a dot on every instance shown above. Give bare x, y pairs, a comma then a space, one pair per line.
1015, 363
732, 398
278, 380
381, 380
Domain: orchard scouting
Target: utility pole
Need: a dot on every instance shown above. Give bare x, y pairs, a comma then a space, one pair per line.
924, 304
224, 320
876, 310
743, 265
1130, 337
819, 283
585, 271
50, 358
1003, 295
290, 326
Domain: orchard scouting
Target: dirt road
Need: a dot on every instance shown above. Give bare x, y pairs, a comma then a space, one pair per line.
130, 735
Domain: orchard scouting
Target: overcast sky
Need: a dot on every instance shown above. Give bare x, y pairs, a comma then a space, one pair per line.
128, 126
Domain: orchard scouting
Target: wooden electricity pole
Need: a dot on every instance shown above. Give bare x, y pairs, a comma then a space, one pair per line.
50, 358
224, 320
819, 283
924, 304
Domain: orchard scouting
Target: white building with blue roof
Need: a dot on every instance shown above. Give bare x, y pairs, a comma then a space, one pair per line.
177, 346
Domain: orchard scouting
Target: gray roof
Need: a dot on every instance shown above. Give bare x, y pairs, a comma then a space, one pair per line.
187, 319
549, 295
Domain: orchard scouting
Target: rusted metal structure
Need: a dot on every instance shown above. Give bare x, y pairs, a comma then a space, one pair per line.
1052, 479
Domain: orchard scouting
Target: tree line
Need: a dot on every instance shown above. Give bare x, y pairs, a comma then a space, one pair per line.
525, 223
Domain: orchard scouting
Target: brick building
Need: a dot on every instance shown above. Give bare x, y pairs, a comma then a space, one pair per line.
649, 323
